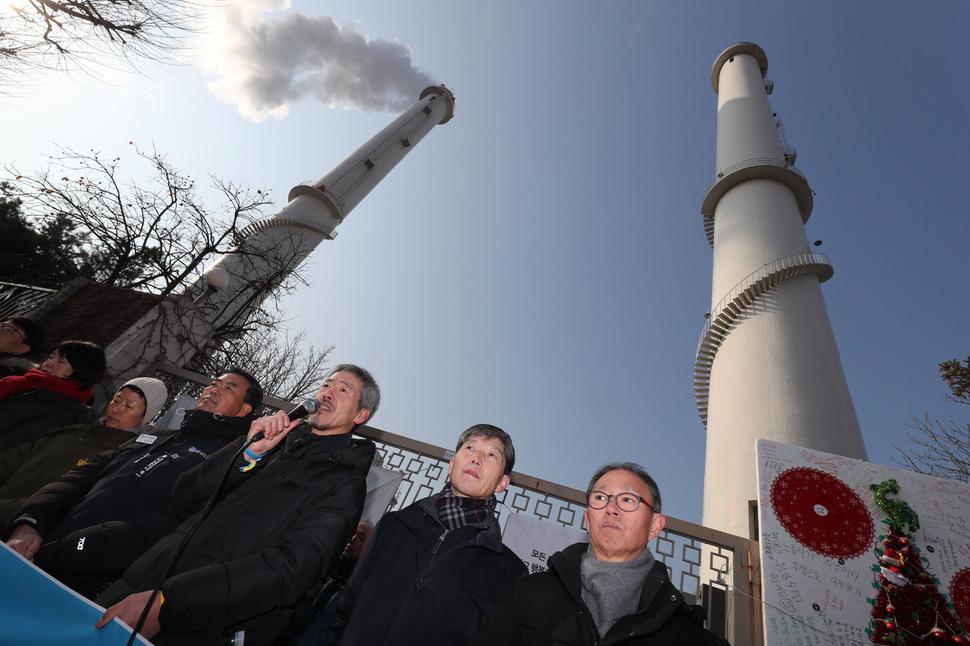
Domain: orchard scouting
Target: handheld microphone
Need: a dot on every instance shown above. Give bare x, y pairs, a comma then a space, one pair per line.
306, 407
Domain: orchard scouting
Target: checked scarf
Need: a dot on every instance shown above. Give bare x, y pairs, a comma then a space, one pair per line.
456, 511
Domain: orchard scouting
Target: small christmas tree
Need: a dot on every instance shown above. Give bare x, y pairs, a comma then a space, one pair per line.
909, 609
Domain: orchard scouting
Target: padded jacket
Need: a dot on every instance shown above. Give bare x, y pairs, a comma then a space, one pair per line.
547, 608
24, 417
273, 532
27, 467
420, 583
98, 518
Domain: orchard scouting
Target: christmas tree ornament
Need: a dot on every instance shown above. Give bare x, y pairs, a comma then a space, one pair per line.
909, 609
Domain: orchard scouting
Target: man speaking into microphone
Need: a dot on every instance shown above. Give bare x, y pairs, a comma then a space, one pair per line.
289, 503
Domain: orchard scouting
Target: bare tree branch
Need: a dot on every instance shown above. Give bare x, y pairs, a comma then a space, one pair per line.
156, 235
152, 235
88, 35
942, 449
285, 365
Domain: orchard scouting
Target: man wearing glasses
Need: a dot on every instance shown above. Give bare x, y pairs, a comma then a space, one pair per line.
610, 590
18, 336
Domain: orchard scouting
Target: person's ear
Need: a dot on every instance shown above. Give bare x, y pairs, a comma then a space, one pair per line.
657, 525
362, 416
502, 484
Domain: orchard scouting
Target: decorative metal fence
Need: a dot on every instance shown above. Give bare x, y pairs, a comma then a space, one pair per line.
695, 556
19, 299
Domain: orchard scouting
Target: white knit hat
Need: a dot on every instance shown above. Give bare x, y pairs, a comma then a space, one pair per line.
155, 395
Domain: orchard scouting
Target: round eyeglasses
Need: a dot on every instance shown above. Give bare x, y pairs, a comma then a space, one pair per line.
8, 328
625, 501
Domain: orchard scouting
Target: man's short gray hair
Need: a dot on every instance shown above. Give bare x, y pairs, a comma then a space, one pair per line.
636, 470
370, 395
492, 432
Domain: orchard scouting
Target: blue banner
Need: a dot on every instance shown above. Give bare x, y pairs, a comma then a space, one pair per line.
36, 610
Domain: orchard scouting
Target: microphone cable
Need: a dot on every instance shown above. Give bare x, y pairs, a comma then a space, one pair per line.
188, 534
308, 406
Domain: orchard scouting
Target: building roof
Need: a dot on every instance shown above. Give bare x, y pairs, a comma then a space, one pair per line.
82, 310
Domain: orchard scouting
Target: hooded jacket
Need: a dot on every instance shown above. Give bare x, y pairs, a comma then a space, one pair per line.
273, 532
547, 608
98, 518
420, 583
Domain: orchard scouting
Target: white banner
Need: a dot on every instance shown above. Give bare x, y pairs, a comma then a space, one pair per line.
382, 484
534, 540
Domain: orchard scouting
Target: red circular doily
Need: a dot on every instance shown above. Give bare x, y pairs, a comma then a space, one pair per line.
822, 513
960, 595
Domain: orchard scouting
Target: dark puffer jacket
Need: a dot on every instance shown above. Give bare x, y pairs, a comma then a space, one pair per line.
27, 467
419, 583
547, 608
24, 417
273, 532
98, 518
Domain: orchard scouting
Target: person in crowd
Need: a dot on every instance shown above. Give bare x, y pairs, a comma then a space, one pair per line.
289, 504
88, 526
19, 336
608, 591
56, 394
433, 571
27, 467
314, 615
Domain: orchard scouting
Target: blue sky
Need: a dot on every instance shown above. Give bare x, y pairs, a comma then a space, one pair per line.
539, 262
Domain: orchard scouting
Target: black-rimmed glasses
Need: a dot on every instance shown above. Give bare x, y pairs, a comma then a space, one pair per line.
10, 328
625, 501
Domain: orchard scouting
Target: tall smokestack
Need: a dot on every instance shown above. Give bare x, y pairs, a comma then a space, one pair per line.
767, 364
274, 247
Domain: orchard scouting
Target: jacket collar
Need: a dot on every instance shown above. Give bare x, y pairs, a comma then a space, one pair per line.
658, 595
488, 534
202, 422
357, 452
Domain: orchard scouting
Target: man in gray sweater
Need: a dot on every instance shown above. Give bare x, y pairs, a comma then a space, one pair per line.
608, 591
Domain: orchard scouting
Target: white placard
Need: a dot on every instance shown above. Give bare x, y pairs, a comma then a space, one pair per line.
824, 550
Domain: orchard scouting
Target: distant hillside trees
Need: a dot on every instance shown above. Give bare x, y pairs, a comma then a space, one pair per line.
41, 256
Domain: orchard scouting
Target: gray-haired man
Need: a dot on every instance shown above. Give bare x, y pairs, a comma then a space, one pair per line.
608, 591
289, 503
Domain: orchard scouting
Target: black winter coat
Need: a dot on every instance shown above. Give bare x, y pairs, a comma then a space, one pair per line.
24, 417
547, 608
98, 518
419, 583
273, 532
27, 467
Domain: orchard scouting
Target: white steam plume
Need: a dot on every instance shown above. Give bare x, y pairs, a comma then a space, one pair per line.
262, 64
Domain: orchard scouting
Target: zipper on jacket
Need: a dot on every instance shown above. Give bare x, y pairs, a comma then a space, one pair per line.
441, 539
588, 620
